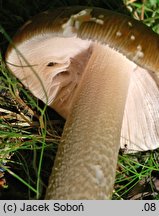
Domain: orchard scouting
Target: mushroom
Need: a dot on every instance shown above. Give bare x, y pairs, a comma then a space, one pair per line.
80, 62
140, 131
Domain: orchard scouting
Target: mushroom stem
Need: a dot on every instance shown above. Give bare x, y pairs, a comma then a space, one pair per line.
87, 156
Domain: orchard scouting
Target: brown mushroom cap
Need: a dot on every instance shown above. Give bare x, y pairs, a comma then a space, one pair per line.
134, 45
128, 40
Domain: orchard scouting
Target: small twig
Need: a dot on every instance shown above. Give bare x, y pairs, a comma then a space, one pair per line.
136, 16
142, 10
130, 2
